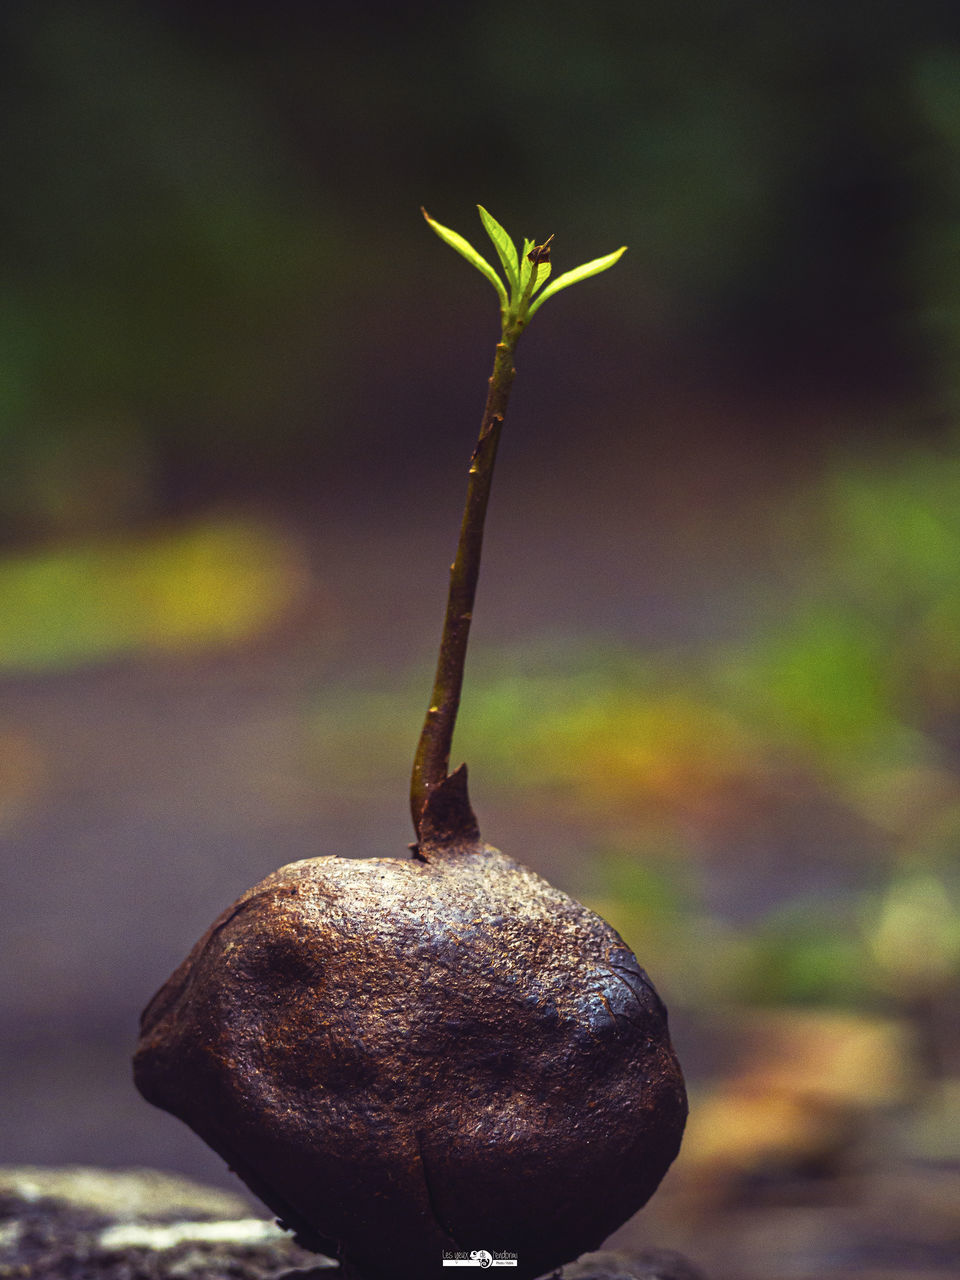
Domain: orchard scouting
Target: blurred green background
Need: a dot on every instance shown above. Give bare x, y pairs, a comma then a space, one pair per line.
715, 683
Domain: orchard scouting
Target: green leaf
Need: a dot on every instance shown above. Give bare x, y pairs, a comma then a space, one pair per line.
503, 245
466, 250
526, 266
576, 275
543, 275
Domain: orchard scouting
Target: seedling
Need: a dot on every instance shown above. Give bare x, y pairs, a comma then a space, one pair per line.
519, 301
412, 1058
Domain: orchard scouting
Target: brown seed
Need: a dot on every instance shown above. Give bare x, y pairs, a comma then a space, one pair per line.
402, 1057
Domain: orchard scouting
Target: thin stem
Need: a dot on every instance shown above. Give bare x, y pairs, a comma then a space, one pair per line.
433, 750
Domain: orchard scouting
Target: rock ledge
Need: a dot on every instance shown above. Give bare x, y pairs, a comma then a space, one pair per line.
138, 1224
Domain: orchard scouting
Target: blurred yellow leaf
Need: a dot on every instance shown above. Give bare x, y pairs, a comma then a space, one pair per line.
915, 936
217, 583
798, 1096
836, 1057
736, 1130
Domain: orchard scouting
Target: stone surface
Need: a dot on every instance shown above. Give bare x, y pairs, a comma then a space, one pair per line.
646, 1264
407, 1057
93, 1224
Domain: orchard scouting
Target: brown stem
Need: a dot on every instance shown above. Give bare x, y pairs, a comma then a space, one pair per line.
433, 750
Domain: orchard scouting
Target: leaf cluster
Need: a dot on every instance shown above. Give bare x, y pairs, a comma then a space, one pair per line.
526, 272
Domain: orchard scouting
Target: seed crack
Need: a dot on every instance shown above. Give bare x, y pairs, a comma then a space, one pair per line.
431, 1196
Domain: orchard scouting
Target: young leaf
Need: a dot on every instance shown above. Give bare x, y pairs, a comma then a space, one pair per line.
503, 245
543, 274
576, 275
526, 266
466, 250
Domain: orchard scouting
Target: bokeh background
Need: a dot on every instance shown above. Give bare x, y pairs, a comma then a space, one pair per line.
715, 681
